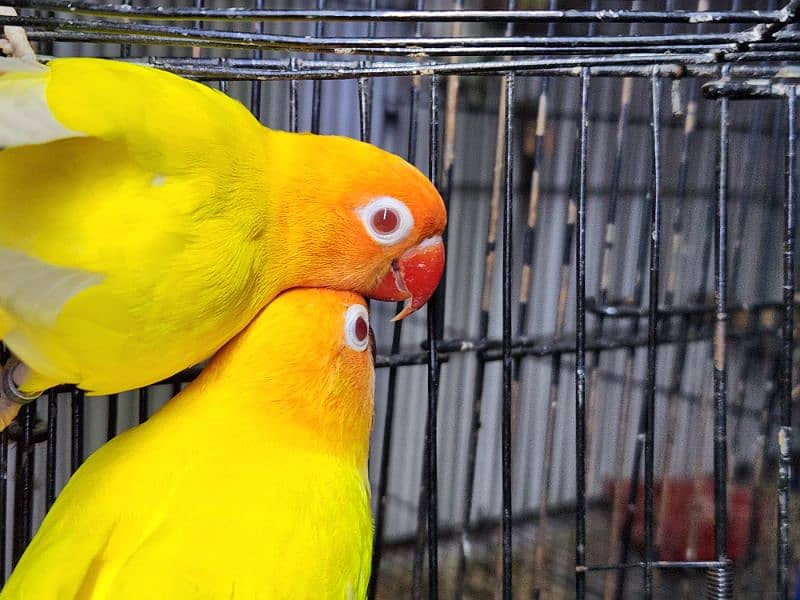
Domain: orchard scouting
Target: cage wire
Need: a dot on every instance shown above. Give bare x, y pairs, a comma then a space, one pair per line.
606, 372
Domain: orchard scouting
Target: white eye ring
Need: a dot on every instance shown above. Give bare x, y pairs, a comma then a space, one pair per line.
404, 219
351, 318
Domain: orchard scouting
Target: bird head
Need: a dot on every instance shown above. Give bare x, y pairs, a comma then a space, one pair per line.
372, 222
305, 364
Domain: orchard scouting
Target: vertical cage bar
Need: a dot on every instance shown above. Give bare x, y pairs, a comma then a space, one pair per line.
652, 334
580, 348
372, 31
364, 108
28, 458
52, 438
432, 506
418, 566
23, 482
507, 408
720, 352
255, 85
4, 355
144, 404
293, 116
508, 216
785, 388
111, 418
76, 433
608, 243
316, 86
3, 500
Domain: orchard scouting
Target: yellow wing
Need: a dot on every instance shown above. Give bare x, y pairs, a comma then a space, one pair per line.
131, 215
119, 102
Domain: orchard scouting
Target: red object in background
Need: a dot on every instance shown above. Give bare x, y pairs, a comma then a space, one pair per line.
681, 494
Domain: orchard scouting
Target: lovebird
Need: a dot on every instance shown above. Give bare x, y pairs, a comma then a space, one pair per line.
249, 484
148, 218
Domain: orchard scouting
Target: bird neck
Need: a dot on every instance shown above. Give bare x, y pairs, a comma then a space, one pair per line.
285, 414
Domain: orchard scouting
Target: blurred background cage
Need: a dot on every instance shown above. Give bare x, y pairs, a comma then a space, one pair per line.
600, 394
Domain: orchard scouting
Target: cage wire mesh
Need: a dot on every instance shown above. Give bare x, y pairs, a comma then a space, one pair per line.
607, 371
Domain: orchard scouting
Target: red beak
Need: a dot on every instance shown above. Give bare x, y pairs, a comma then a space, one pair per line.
413, 277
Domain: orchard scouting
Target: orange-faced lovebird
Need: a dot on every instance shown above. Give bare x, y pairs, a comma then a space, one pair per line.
249, 484
146, 219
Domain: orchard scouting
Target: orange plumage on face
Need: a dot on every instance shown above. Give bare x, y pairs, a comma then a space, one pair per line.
372, 222
304, 365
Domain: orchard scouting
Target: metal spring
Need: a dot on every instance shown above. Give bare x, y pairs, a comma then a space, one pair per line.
719, 583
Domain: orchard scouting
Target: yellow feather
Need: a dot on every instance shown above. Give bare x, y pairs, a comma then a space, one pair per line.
249, 484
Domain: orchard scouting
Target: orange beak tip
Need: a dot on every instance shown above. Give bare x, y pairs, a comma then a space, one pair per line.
407, 310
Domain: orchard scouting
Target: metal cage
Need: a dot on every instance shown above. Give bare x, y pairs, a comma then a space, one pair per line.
607, 371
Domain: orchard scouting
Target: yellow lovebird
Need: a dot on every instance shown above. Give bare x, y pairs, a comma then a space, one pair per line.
147, 218
249, 484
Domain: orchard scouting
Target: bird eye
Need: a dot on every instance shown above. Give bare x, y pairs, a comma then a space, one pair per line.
386, 219
356, 327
